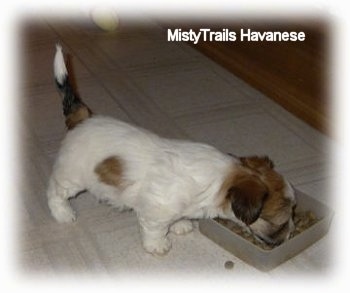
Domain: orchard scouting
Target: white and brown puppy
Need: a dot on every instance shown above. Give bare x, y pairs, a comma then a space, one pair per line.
167, 182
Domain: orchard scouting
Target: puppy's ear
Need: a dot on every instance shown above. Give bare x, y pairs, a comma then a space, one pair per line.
247, 198
257, 163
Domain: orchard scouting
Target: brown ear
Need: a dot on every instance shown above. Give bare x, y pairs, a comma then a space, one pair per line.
247, 198
256, 162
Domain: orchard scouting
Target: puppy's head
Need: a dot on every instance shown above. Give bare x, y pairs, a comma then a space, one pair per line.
262, 199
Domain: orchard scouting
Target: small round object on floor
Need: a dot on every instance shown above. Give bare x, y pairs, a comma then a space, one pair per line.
229, 265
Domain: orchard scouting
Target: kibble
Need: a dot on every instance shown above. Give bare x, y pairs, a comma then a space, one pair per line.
302, 220
229, 265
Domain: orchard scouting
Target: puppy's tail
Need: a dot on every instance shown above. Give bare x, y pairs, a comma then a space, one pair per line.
74, 109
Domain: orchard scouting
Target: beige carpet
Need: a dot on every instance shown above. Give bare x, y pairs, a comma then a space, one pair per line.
135, 75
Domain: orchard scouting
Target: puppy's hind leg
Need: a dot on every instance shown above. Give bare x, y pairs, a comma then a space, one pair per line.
58, 201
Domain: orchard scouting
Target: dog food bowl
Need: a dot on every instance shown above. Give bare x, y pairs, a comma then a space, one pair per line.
266, 260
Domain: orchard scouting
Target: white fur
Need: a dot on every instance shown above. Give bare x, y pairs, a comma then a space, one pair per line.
165, 181
59, 66
289, 192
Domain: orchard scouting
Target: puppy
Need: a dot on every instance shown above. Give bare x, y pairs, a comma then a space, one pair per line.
166, 182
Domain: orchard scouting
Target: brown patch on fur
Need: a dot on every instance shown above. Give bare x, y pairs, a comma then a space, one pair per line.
255, 193
277, 208
247, 197
258, 189
256, 163
110, 171
76, 117
244, 194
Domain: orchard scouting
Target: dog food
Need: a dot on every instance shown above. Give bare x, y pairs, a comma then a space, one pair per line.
302, 221
319, 219
229, 265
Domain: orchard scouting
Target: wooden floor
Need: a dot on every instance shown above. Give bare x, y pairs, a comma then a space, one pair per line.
135, 75
294, 74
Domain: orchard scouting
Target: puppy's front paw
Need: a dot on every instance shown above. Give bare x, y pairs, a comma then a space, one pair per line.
157, 247
182, 227
62, 212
